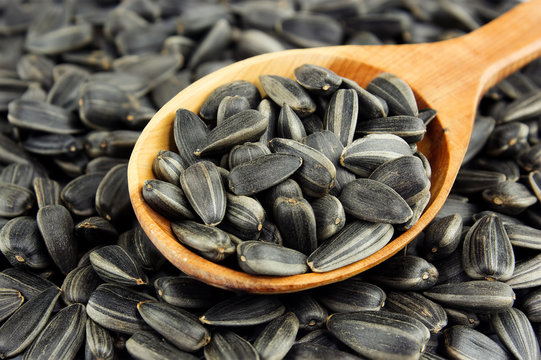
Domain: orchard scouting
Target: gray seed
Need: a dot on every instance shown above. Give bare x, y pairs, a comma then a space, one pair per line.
516, 332
364, 155
507, 139
341, 115
396, 93
12, 152
227, 345
186, 292
482, 128
188, 130
209, 108
480, 296
168, 165
145, 345
295, 217
354, 242
115, 308
316, 175
229, 106
526, 274
167, 199
62, 337
215, 40
155, 68
431, 314
378, 334
144, 40
362, 198
523, 235
270, 233
79, 195
34, 67
531, 305
180, 327
244, 310
59, 40
66, 90
209, 241
309, 312
26, 323
351, 295
317, 352
10, 300
246, 152
370, 105
247, 125
462, 342
95, 229
442, 237
409, 128
47, 191
52, 118
253, 42
409, 273
462, 317
509, 197
261, 258
79, 284
317, 79
140, 247
112, 198
203, 187
103, 164
22, 244
262, 173
289, 124
487, 252
283, 90
471, 181
99, 343
29, 284
277, 337
244, 213
115, 265
525, 107
19, 174
56, 227
270, 111
330, 216
310, 30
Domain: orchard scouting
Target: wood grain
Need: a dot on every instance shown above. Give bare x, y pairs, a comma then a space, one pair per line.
448, 76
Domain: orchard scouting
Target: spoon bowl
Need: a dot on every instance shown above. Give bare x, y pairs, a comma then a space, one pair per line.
448, 76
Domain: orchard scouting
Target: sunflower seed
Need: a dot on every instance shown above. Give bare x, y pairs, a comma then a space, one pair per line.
22, 244
289, 124
186, 292
317, 352
15, 200
516, 332
256, 257
227, 345
283, 90
47, 191
155, 68
310, 313
526, 274
480, 296
115, 308
482, 128
370, 105
330, 216
244, 213
79, 284
396, 92
509, 197
112, 199
115, 265
409, 128
52, 118
56, 227
95, 229
431, 314
10, 300
140, 247
167, 199
99, 343
209, 108
277, 337
295, 217
507, 139
244, 310
144, 345
180, 327
229, 106
62, 337
65, 38
19, 174
168, 165
465, 343
66, 90
209, 241
351, 295
310, 30
29, 284
34, 67
462, 317
26, 323
442, 237
370, 333
212, 43
525, 107
356, 241
246, 152
409, 273
317, 79
472, 181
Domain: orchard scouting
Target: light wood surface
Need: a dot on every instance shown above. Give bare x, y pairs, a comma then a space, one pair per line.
448, 76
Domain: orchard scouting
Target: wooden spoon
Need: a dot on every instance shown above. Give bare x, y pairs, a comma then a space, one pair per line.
449, 76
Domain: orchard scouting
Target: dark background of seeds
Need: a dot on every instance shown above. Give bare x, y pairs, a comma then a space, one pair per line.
137, 54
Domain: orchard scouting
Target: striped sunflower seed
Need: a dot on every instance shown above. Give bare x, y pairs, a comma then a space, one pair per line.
462, 342
341, 115
413, 304
52, 118
526, 274
227, 345
168, 165
244, 310
318, 352
261, 258
47, 191
289, 124
79, 284
29, 284
79, 195
15, 200
330, 216
229, 106
396, 92
308, 311
351, 295
112, 198
246, 152
167, 199
283, 90
115, 265
408, 272
95, 229
295, 217
370, 105
442, 237
10, 300
145, 345
516, 332
99, 342
317, 79
186, 292
277, 337
140, 247
410, 128
209, 108
209, 241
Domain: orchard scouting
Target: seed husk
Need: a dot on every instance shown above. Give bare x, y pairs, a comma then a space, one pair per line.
462, 317
180, 327
66, 89
312, 351
244, 310
25, 324
396, 92
462, 342
289, 124
189, 131
140, 247
209, 241
277, 337
247, 125
330, 216
262, 173
409, 273
115, 308
316, 175
244, 213
246, 89
370, 105
186, 292
516, 332
295, 217
167, 199
52, 118
203, 187
362, 198
227, 345
22, 244
317, 79
246, 152
356, 241
145, 345
526, 274
15, 200
95, 229
442, 237
115, 265
310, 30
480, 296
378, 334
56, 227
47, 191
283, 90
216, 39
99, 342
29, 284
62, 337
229, 106
308, 311
19, 174
168, 165
79, 195
79, 284
531, 305
112, 199
413, 304
261, 258
351, 295
409, 128
341, 115
10, 300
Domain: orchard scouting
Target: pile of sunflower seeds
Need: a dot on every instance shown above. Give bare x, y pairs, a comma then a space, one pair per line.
293, 179
79, 279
